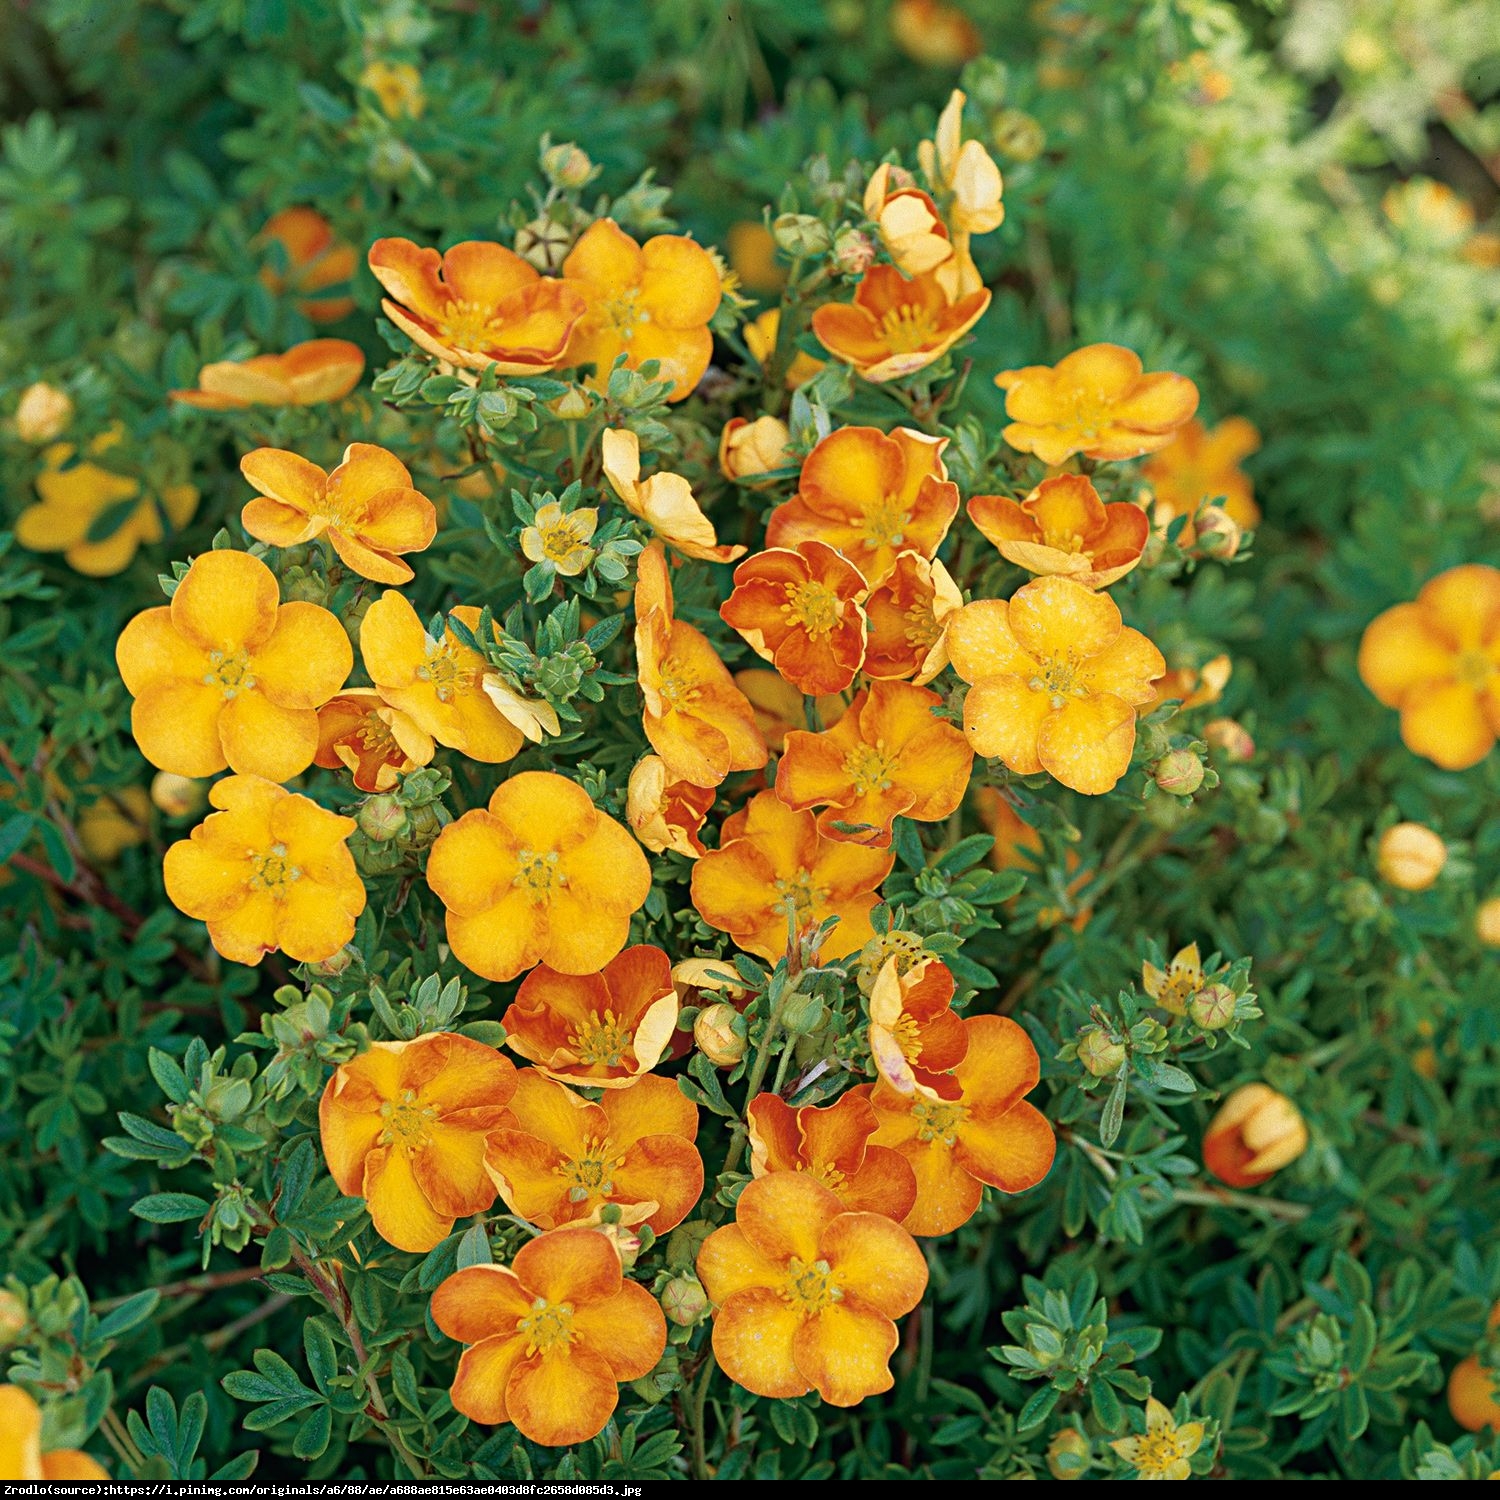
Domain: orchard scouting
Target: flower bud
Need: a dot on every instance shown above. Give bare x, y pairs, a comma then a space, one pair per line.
662, 1381
178, 796
801, 234
748, 450
382, 818
1255, 1134
1219, 534
43, 413
544, 243
13, 1318
1358, 900
853, 252
566, 166
1487, 922
1212, 1007
627, 1242
1179, 772
334, 965
1100, 1053
393, 161
683, 1300
1017, 135
573, 406
1410, 857
1231, 737
802, 1014
719, 1031
1068, 1454
1471, 1395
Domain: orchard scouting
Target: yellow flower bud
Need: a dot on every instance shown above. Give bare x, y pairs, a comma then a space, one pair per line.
1017, 135
627, 1242
1487, 922
1255, 1134
1068, 1454
719, 1031
1410, 857
382, 818
178, 796
1219, 535
43, 413
801, 234
1212, 1007
397, 87
748, 450
1100, 1053
1231, 737
684, 1301
13, 1318
567, 166
1180, 773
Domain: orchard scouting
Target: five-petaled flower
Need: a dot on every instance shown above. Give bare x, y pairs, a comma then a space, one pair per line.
985, 1134
806, 1291
1165, 1448
910, 226
1062, 527
21, 1456
557, 1159
539, 876
908, 618
366, 508
651, 301
271, 872
665, 814
665, 502
1055, 681
407, 1126
1098, 402
227, 676
1437, 660
1175, 985
800, 608
887, 757
599, 1030
915, 1038
360, 732
553, 1335
774, 873
316, 261
561, 537
1202, 464
871, 496
306, 375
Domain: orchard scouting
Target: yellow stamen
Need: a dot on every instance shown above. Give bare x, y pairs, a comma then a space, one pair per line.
810, 1287
812, 605
602, 1039
938, 1120
548, 1326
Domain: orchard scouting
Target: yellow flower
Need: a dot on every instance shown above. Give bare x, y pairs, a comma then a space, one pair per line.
934, 34
1410, 857
1164, 1451
117, 821
397, 87
1173, 987
752, 254
748, 451
965, 173
42, 413
561, 538
908, 220
665, 501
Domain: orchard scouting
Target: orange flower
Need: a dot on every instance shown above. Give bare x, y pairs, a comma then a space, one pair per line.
407, 1125
908, 618
269, 873
760, 339
915, 1038
832, 1145
226, 676
696, 719
871, 496
651, 301
909, 223
895, 327
665, 502
540, 876
1438, 661
1199, 465
666, 814
1192, 687
749, 451
21, 1456
306, 375
376, 743
806, 1291
985, 1135
1055, 679
559, 1159
800, 609
772, 860
888, 757
1255, 1134
1063, 528
366, 507
553, 1335
316, 260
438, 684
778, 706
933, 33
1095, 402
477, 305
599, 1030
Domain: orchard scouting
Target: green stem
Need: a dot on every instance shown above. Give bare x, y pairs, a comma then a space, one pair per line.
752, 1088
700, 1417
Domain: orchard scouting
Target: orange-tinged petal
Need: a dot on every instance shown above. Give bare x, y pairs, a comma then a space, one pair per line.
606, 257
844, 1351
480, 1302
1003, 719
1001, 519
650, 1106
784, 1215
20, 1435
313, 921
1013, 1151
262, 739
1000, 1066
1464, 602
982, 644
530, 1175
1159, 402
885, 1184
663, 1171
279, 525
876, 1260
729, 1262
483, 1373
564, 1396
628, 1329
398, 1207
176, 726
1087, 743
226, 602
449, 1169
500, 941
1126, 667
753, 1339
569, 1265
1056, 617
485, 273
471, 864
1447, 723
850, 466
202, 882
947, 1196
679, 282
306, 660
285, 477
1401, 650
151, 651
69, 1464
410, 273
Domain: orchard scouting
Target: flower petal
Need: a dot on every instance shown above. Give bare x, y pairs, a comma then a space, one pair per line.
753, 1338
844, 1352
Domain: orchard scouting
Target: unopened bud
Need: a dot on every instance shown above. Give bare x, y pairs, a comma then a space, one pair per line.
573, 406
1359, 900
334, 965
684, 1301
1410, 857
13, 1318
393, 161
178, 796
802, 1014
43, 413
1212, 1007
544, 243
1100, 1053
801, 234
749, 450
1218, 533
566, 166
1068, 1454
1017, 135
382, 818
1179, 772
1487, 922
853, 252
719, 1031
1231, 737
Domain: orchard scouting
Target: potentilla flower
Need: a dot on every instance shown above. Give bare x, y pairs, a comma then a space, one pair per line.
226, 676
772, 861
1437, 660
1096, 402
806, 1291
780, 708
306, 375
760, 339
599, 1030
1063, 528
910, 226
541, 875
887, 757
748, 451
665, 814
438, 683
1175, 985
1200, 464
832, 1145
78, 497
271, 872
915, 1039
397, 86
377, 744
895, 326
561, 538
696, 719
935, 34
557, 1159
1191, 687
1254, 1135
651, 301
1055, 680
665, 502
1163, 1452
476, 305
907, 617
872, 496
316, 260
965, 171
21, 1455
366, 508
553, 1335
407, 1125
987, 1134
800, 608
43, 413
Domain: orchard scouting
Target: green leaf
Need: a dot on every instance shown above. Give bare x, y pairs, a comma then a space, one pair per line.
1037, 1409
169, 1208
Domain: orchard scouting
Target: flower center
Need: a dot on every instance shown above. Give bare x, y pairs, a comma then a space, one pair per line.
1063, 541
908, 1037
812, 605
374, 736
273, 872
906, 328
1158, 1451
602, 1040
465, 324
886, 522
622, 314
921, 626
1057, 676
938, 1120
538, 873
442, 668
678, 691
559, 541
1182, 983
803, 895
1474, 669
591, 1175
548, 1326
869, 768
231, 672
1087, 411
826, 1173
408, 1125
811, 1286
